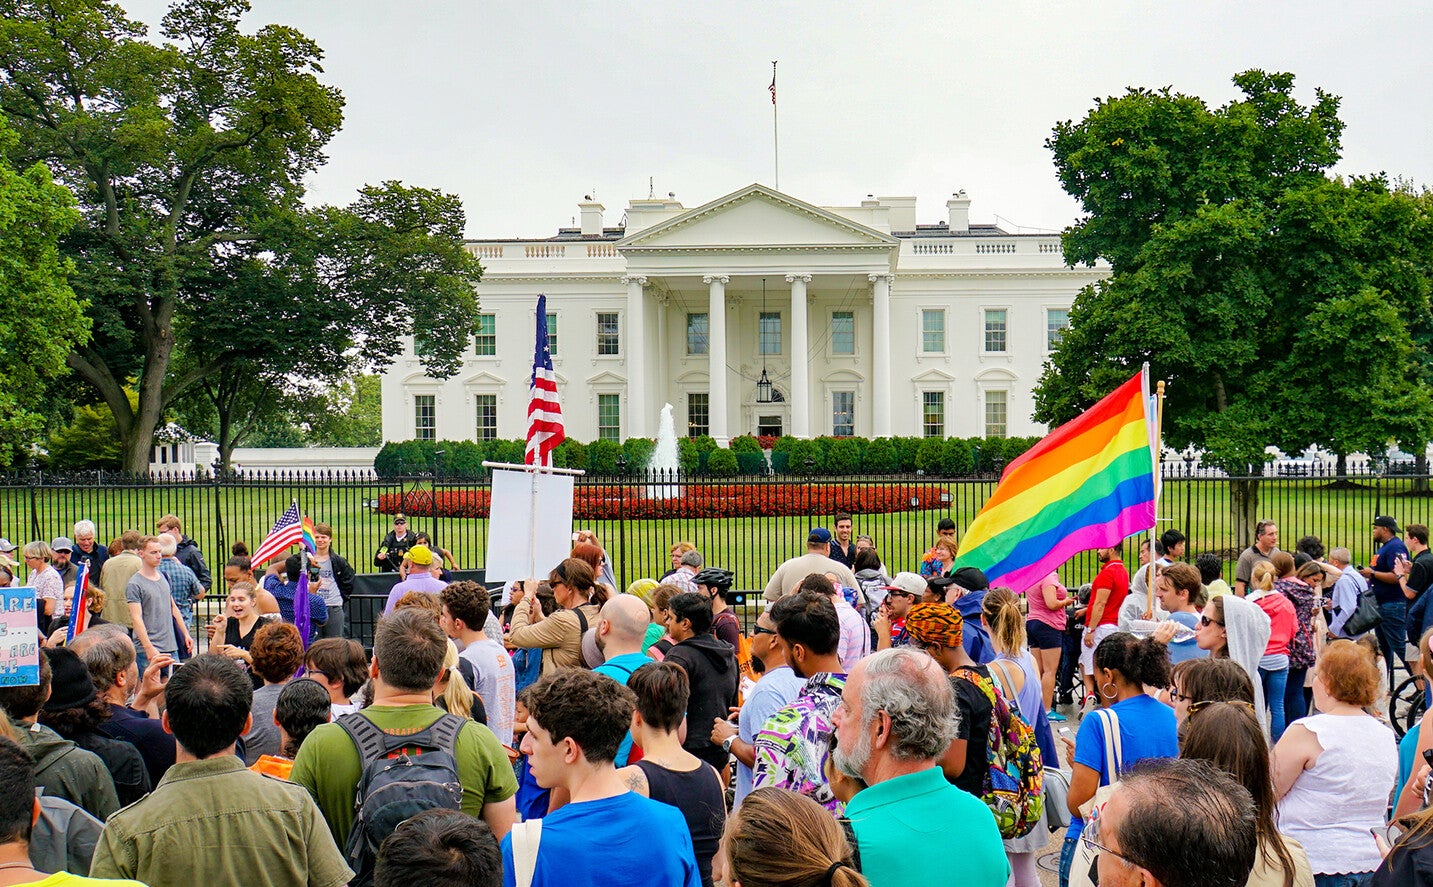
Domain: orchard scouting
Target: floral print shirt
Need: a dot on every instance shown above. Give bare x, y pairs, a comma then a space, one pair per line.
1301, 645
792, 748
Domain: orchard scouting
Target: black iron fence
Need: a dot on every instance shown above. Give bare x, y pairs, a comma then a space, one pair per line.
748, 525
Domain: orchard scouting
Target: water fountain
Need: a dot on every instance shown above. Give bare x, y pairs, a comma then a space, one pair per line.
662, 470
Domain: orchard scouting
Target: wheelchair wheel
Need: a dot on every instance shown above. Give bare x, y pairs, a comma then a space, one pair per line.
1407, 705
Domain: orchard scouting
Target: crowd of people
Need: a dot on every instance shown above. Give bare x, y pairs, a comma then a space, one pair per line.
874, 728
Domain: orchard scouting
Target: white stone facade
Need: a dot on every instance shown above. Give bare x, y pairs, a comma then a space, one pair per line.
874, 325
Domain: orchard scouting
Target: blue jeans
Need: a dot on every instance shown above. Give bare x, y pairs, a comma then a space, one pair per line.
1392, 633
1067, 856
1294, 705
1359, 880
1274, 683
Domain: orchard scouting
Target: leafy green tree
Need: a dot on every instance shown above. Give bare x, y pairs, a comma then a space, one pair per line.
1239, 270
188, 158
40, 317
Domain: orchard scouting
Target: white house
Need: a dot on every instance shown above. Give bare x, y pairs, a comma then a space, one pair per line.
864, 321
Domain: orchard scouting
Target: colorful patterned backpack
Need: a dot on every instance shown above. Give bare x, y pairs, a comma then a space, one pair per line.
1014, 779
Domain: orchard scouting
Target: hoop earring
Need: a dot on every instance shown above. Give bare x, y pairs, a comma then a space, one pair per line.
1114, 691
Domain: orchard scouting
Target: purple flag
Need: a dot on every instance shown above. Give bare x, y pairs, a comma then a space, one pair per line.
303, 616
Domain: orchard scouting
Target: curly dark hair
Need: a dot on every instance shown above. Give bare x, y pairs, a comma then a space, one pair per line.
467, 601
1140, 660
592, 709
78, 721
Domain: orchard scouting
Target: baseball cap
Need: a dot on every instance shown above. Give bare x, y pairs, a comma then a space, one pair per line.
420, 555
62, 543
910, 583
819, 536
1386, 522
971, 579
7, 546
400, 518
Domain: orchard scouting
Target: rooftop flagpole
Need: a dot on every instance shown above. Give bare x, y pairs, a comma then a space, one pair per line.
775, 141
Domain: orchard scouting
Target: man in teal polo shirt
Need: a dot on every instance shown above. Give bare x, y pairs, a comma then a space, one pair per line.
896, 718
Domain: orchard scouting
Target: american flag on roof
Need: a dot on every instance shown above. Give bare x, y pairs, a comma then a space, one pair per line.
288, 530
544, 413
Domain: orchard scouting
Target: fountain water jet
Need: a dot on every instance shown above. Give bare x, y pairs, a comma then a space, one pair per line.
662, 470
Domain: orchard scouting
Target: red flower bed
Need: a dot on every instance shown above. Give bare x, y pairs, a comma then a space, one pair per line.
606, 502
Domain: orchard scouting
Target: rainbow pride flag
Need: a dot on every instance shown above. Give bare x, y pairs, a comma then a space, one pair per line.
307, 538
1089, 484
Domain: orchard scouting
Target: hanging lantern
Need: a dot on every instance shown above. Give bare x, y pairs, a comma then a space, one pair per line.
763, 388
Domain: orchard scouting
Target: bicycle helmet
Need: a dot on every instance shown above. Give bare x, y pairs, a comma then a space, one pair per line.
715, 578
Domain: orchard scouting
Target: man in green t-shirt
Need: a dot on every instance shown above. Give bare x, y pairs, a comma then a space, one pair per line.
408, 652
896, 718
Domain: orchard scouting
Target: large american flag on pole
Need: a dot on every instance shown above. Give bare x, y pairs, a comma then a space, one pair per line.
288, 530
544, 414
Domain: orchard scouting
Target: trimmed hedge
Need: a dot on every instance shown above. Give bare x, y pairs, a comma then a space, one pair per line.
828, 456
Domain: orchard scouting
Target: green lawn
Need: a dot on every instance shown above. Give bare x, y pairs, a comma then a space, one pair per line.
216, 516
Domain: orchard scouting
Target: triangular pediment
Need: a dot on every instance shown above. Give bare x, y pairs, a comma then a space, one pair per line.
933, 375
607, 377
484, 380
757, 217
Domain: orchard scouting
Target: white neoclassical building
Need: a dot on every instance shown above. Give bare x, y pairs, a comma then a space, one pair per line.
863, 321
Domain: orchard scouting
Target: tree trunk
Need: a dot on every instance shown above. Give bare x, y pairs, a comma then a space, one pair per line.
1420, 473
1244, 509
1340, 469
140, 439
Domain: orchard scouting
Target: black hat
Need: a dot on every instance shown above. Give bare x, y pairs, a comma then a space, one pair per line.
971, 579
1387, 523
70, 684
940, 583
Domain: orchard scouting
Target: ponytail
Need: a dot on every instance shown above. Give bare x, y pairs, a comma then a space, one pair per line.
1001, 609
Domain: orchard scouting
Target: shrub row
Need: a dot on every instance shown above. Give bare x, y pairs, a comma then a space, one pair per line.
604, 502
701, 457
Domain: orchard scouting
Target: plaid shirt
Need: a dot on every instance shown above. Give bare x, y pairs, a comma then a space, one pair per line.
792, 748
183, 584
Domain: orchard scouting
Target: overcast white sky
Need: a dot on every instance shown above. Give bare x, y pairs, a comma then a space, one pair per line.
521, 109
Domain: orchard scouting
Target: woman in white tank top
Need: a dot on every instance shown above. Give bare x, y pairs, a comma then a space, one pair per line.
1334, 771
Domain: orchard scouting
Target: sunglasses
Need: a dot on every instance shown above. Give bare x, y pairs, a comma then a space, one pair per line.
899, 594
1205, 622
759, 630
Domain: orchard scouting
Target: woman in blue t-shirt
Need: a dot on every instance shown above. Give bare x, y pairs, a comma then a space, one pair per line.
1124, 666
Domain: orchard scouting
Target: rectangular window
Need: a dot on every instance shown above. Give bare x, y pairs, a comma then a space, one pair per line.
698, 414
770, 333
552, 334
995, 323
995, 403
1057, 320
425, 417
697, 331
933, 413
487, 417
933, 331
609, 340
768, 426
485, 337
609, 416
843, 413
421, 346
843, 332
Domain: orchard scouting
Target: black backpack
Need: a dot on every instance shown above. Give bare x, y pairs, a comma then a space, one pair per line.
397, 785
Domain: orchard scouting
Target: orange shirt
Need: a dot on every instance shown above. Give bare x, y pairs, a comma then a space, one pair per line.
271, 765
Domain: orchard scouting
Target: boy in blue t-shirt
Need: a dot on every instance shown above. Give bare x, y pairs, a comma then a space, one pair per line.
576, 720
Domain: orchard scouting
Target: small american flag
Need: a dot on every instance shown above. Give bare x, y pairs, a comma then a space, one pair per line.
772, 87
544, 413
80, 604
288, 530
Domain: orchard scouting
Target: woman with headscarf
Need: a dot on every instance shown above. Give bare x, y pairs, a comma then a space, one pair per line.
1233, 628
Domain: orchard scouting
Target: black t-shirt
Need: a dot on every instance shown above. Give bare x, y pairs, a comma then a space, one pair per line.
975, 712
1420, 572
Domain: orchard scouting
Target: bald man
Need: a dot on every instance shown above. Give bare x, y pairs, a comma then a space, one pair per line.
621, 627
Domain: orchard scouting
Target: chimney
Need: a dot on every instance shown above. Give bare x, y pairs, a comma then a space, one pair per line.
591, 216
958, 206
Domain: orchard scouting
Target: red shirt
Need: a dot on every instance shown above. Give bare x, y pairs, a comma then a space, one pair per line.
1283, 622
1115, 577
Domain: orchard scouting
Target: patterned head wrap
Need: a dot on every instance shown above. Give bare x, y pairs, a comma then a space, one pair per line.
935, 624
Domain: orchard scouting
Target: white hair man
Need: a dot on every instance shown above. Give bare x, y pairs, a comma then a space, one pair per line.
896, 719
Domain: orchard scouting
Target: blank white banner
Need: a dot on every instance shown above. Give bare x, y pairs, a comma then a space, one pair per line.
530, 524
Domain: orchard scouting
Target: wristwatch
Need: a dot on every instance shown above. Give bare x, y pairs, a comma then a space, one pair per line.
726, 743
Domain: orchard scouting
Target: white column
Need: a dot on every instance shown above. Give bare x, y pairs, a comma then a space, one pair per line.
800, 382
716, 354
660, 372
881, 355
636, 350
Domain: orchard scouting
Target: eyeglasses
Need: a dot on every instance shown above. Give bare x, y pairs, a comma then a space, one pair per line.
759, 630
1205, 622
1180, 697
899, 594
1090, 838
